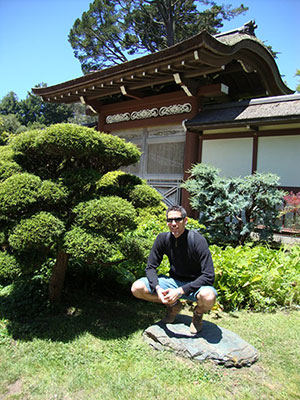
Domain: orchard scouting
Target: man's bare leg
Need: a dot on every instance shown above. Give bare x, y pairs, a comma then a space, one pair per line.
140, 291
206, 299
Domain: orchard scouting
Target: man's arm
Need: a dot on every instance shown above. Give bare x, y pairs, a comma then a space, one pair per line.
201, 255
154, 261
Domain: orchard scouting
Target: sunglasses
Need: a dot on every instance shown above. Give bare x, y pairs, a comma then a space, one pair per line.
174, 219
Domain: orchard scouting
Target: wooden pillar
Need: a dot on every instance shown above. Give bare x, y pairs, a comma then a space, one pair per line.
192, 155
190, 158
101, 122
254, 153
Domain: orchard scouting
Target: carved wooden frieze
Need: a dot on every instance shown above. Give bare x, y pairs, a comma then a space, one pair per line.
150, 113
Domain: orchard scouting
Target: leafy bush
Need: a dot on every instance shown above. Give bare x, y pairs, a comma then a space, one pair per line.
9, 268
107, 215
65, 146
18, 193
258, 277
40, 231
49, 195
117, 183
7, 169
144, 196
80, 184
87, 247
232, 208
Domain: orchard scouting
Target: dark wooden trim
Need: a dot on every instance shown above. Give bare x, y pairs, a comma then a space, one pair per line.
238, 135
254, 154
178, 97
200, 148
294, 189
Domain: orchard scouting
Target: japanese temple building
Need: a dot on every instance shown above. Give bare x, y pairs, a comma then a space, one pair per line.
217, 99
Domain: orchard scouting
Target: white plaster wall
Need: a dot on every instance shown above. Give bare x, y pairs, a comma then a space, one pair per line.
232, 156
281, 156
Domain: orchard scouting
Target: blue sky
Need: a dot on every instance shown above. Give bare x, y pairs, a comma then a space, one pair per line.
34, 43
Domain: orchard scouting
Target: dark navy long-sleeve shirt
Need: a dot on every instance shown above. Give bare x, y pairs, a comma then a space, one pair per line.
190, 260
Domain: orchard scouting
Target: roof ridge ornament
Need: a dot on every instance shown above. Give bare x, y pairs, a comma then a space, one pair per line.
248, 28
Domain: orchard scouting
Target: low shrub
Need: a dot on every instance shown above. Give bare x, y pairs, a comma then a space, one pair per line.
258, 278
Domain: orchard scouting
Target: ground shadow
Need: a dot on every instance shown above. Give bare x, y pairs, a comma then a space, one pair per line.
210, 331
103, 316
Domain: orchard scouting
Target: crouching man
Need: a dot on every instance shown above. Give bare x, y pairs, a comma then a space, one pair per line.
191, 271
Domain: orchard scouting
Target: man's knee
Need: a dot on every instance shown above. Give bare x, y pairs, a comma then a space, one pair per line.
207, 296
138, 289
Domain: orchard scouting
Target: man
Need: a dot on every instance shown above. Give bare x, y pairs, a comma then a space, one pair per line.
191, 271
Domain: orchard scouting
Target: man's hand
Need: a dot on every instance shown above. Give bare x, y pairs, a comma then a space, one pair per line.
170, 296
160, 294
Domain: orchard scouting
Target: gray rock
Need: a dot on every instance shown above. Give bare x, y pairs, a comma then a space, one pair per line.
212, 343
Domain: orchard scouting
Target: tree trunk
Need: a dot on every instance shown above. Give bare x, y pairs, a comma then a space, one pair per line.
57, 279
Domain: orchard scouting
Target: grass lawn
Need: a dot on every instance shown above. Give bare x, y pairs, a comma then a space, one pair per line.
93, 349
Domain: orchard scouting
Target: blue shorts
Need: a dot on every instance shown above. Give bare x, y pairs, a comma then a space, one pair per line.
165, 282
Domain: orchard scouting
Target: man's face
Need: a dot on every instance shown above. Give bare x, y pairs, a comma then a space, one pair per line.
176, 223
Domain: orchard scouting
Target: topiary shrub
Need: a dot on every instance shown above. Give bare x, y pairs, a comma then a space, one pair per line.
51, 208
108, 215
117, 183
9, 268
144, 196
87, 247
8, 168
18, 193
38, 232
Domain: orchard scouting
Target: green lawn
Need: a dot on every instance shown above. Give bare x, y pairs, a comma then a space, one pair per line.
93, 349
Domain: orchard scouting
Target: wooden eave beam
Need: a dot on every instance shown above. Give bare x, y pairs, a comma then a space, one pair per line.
190, 87
127, 92
216, 90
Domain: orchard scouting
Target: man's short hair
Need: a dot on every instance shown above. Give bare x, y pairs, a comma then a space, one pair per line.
177, 208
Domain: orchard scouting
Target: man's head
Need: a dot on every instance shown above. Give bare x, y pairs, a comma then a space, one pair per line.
176, 220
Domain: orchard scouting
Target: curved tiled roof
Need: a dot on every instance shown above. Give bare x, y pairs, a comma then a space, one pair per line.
236, 59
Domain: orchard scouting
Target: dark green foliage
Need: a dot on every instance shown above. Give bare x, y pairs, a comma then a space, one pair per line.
8, 168
117, 183
144, 196
31, 112
57, 203
19, 193
51, 193
232, 208
109, 31
39, 232
62, 147
9, 268
23, 192
108, 215
87, 247
81, 185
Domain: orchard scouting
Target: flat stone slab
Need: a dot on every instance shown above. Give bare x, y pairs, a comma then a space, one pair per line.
212, 343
